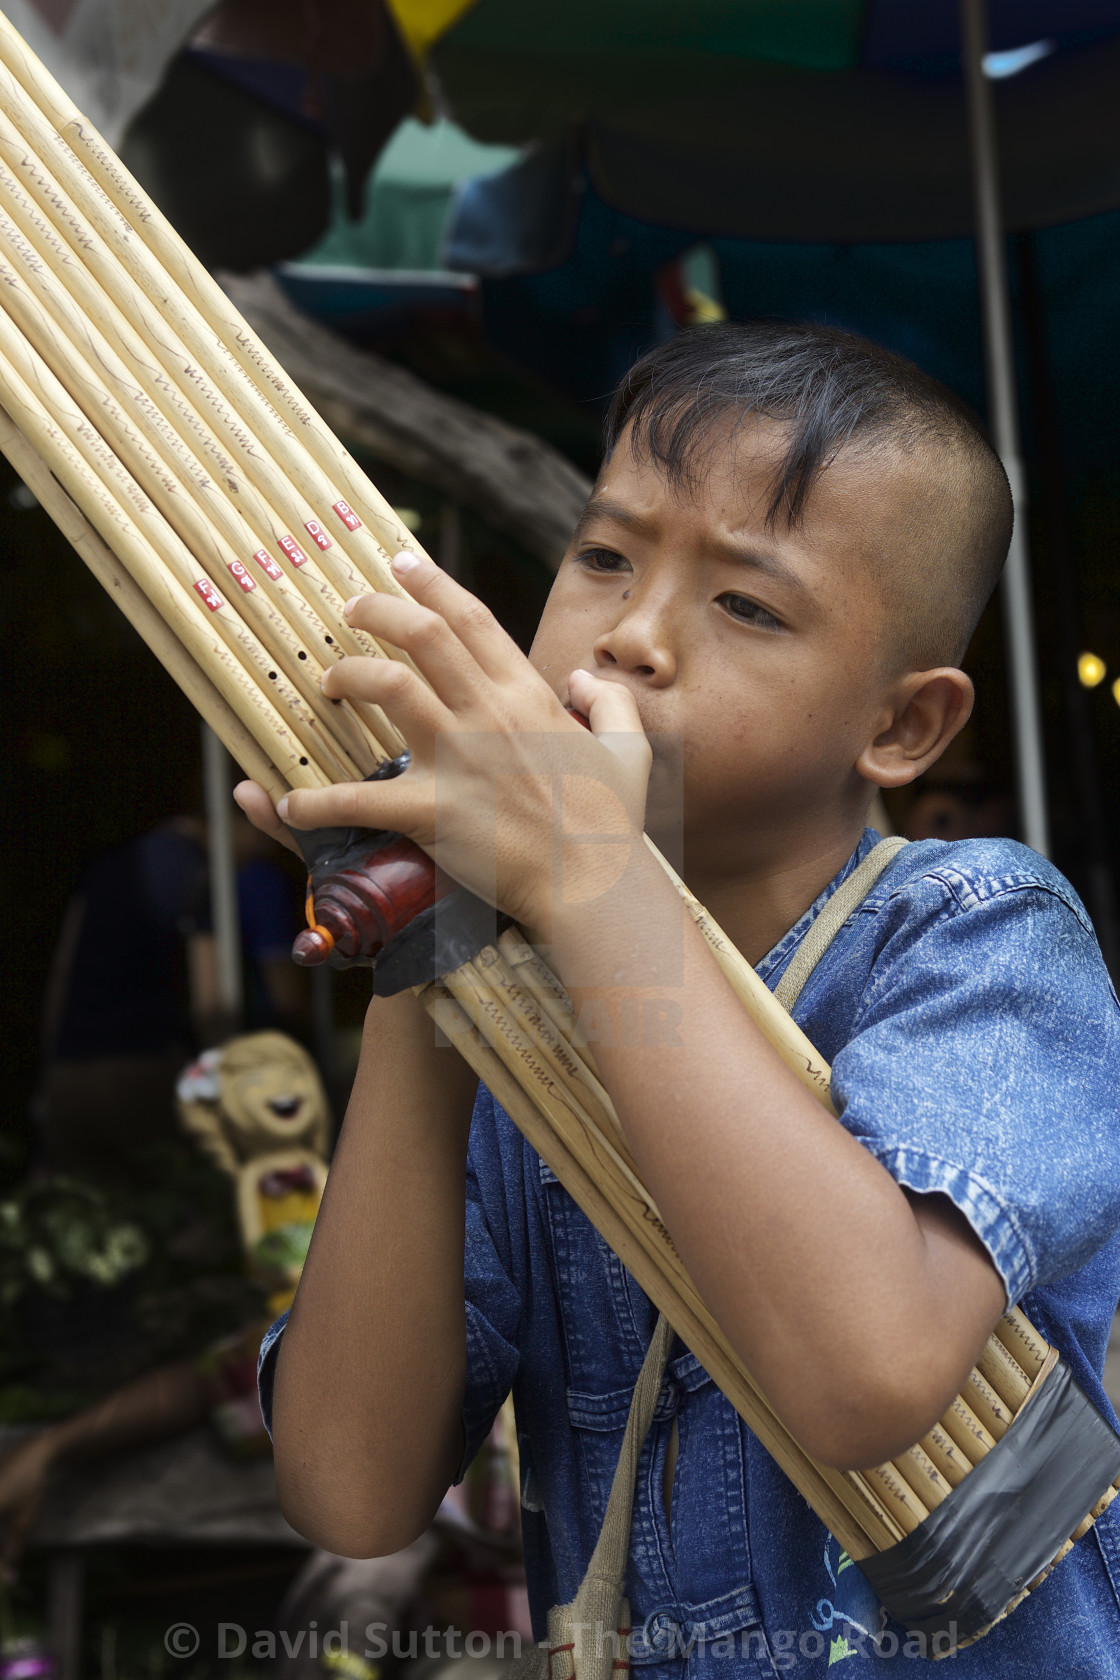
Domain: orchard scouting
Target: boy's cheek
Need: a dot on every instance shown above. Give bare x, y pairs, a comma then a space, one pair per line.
554, 672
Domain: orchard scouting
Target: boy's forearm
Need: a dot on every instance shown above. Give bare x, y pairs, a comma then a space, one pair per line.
825, 1277
370, 1377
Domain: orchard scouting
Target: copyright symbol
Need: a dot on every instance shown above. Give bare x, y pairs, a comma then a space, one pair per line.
181, 1640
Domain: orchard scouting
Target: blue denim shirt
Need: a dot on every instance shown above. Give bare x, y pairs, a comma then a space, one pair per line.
975, 1044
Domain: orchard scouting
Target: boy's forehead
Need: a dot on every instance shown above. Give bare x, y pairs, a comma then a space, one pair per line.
726, 480
857, 502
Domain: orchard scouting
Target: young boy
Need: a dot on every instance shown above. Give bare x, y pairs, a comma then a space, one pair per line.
761, 614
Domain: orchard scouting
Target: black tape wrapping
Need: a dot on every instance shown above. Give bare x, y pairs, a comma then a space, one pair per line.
438, 940
1004, 1523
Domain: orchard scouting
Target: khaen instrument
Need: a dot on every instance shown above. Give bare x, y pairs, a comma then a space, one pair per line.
230, 525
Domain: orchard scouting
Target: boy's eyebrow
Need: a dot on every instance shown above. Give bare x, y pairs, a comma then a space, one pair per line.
602, 507
758, 559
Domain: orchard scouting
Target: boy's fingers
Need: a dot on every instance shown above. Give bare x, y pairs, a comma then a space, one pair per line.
417, 712
427, 637
474, 624
261, 812
401, 804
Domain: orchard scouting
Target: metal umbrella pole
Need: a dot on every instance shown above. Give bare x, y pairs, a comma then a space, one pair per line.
223, 876
995, 311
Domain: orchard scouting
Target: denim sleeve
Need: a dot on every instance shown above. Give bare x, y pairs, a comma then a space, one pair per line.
266, 1368
984, 1065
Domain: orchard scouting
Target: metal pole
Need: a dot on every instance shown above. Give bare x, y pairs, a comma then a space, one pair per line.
223, 876
995, 311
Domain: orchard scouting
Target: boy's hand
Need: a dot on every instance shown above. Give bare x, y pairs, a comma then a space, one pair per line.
506, 791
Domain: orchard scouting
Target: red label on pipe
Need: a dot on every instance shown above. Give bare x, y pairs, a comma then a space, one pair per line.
317, 534
209, 594
293, 551
242, 576
347, 515
267, 564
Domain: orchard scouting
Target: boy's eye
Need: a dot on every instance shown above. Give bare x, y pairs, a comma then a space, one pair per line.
603, 560
749, 612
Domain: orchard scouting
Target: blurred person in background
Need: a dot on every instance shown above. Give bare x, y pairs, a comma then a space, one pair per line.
133, 992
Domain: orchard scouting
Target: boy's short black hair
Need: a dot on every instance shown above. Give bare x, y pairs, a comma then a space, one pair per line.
833, 390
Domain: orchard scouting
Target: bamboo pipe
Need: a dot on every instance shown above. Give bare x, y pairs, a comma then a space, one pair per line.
118, 583
100, 384
944, 1454
58, 231
1022, 1341
153, 254
68, 445
514, 989
799, 1055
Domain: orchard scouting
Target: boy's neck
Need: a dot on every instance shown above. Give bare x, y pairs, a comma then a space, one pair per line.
758, 903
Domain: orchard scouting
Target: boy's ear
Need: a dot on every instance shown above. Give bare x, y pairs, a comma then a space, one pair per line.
926, 710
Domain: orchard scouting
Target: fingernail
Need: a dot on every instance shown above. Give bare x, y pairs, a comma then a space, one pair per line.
350, 605
282, 808
405, 561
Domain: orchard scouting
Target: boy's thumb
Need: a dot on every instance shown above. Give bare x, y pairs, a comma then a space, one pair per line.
609, 707
612, 713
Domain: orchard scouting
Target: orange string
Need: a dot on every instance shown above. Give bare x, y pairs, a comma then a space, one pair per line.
309, 913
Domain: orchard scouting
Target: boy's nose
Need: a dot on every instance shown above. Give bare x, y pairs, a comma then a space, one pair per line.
639, 644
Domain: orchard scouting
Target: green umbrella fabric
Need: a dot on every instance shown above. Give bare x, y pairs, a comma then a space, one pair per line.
407, 199
795, 119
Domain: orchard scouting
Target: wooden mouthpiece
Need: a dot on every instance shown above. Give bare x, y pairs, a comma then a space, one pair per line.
358, 910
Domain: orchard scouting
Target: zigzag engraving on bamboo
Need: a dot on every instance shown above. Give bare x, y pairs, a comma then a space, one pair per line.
1022, 1341
1006, 1376
944, 1454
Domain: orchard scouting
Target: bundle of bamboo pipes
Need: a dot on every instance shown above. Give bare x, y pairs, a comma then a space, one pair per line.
231, 526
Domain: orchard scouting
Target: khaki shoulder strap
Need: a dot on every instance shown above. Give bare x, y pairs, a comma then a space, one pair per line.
589, 1639
848, 896
608, 1561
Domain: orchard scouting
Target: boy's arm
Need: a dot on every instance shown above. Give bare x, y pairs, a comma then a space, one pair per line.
370, 1377
858, 1308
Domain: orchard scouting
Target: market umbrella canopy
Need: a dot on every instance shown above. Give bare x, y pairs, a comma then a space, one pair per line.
824, 119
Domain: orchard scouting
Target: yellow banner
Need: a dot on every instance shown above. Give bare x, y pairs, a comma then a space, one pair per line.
422, 22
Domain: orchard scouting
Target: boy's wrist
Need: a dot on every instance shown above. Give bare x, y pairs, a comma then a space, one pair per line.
404, 1050
611, 915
